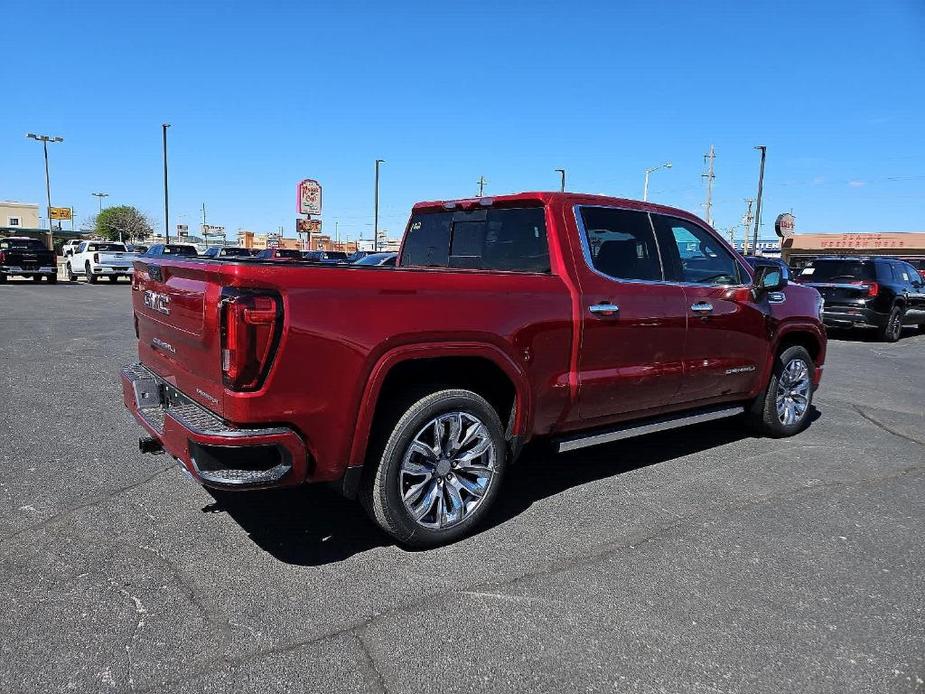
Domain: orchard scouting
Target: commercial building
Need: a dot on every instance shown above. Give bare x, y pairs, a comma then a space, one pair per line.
19, 214
799, 250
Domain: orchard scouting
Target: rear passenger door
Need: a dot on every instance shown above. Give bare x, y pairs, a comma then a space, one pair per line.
727, 343
632, 322
913, 287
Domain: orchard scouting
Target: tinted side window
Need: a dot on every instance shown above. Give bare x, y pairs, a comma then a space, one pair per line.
621, 244
427, 241
698, 257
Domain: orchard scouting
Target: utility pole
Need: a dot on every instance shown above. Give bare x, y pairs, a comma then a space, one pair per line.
708, 205
481, 183
203, 217
746, 225
45, 139
376, 210
764, 151
561, 173
336, 232
164, 127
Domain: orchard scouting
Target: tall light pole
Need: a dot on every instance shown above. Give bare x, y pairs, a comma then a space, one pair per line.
561, 173
764, 151
376, 209
645, 186
164, 127
45, 139
100, 196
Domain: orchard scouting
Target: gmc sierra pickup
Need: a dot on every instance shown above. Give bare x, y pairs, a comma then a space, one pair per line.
28, 257
579, 319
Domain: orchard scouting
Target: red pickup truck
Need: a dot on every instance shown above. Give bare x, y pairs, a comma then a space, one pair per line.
580, 319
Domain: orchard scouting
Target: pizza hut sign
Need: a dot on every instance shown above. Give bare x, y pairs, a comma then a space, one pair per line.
308, 197
785, 225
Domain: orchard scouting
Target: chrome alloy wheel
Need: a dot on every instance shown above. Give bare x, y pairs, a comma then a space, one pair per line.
793, 392
447, 469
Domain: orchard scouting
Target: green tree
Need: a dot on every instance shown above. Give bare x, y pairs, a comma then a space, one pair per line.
122, 222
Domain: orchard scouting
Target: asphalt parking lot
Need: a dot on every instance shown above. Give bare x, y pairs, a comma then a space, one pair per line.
702, 560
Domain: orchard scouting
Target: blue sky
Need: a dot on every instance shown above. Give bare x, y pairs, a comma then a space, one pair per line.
263, 94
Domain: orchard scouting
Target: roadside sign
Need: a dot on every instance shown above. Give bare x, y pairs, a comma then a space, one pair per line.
60, 213
308, 226
211, 230
182, 230
308, 197
785, 225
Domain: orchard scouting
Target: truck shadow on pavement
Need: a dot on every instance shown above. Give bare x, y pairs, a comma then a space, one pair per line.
315, 525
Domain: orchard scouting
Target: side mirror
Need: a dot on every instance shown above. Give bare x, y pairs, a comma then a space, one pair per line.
769, 279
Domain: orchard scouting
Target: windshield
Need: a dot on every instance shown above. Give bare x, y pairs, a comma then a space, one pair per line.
374, 259
838, 271
235, 252
288, 253
21, 244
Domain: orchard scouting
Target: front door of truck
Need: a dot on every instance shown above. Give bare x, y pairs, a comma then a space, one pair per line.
633, 323
727, 340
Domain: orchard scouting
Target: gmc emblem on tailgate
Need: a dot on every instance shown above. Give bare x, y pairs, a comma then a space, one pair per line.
157, 302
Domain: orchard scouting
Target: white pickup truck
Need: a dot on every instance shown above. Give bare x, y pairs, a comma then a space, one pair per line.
95, 259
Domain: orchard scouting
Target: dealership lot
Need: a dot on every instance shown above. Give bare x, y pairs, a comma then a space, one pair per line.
699, 560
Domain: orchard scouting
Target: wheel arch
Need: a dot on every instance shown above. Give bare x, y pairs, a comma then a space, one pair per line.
484, 368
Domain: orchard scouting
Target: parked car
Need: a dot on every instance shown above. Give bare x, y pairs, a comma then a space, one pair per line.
68, 247
138, 248
228, 252
872, 292
757, 261
283, 254
27, 257
357, 256
918, 264
95, 259
580, 319
381, 259
330, 257
158, 250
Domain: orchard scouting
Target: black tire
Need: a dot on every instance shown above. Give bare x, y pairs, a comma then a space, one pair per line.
91, 278
36, 278
763, 414
892, 330
52, 279
2, 278
380, 491
71, 277
113, 278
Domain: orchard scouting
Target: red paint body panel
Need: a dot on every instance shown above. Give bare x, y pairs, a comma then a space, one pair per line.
345, 327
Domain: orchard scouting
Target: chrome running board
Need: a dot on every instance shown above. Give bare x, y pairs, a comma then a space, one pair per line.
644, 427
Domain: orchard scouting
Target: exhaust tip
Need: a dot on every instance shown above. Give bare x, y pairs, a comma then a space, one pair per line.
149, 444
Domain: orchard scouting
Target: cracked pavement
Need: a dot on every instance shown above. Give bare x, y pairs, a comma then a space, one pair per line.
701, 560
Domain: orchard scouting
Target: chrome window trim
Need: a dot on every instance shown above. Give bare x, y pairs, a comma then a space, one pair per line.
586, 251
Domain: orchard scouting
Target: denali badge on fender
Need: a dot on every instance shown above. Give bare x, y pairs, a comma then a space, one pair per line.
157, 302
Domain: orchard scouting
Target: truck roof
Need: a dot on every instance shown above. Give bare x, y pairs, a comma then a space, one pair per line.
537, 198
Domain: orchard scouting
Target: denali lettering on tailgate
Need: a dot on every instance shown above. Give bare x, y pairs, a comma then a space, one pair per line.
157, 302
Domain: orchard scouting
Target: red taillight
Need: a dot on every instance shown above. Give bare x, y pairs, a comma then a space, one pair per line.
96, 257
2, 257
872, 287
250, 323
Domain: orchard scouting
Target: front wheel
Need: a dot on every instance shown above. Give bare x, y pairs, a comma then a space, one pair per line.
783, 409
91, 278
893, 328
2, 278
52, 279
71, 277
439, 471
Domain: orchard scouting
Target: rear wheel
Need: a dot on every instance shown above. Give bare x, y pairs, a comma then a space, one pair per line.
2, 278
91, 278
893, 328
783, 409
52, 279
439, 471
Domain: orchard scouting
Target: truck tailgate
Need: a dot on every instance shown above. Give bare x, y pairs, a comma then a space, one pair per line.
177, 318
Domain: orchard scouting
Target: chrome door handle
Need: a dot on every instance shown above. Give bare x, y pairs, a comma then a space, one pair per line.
702, 307
605, 309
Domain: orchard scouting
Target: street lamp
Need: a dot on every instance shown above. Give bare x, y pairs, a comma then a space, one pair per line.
376, 209
45, 139
645, 187
561, 173
164, 127
100, 196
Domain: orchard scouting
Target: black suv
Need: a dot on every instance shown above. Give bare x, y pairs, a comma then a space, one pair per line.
883, 293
